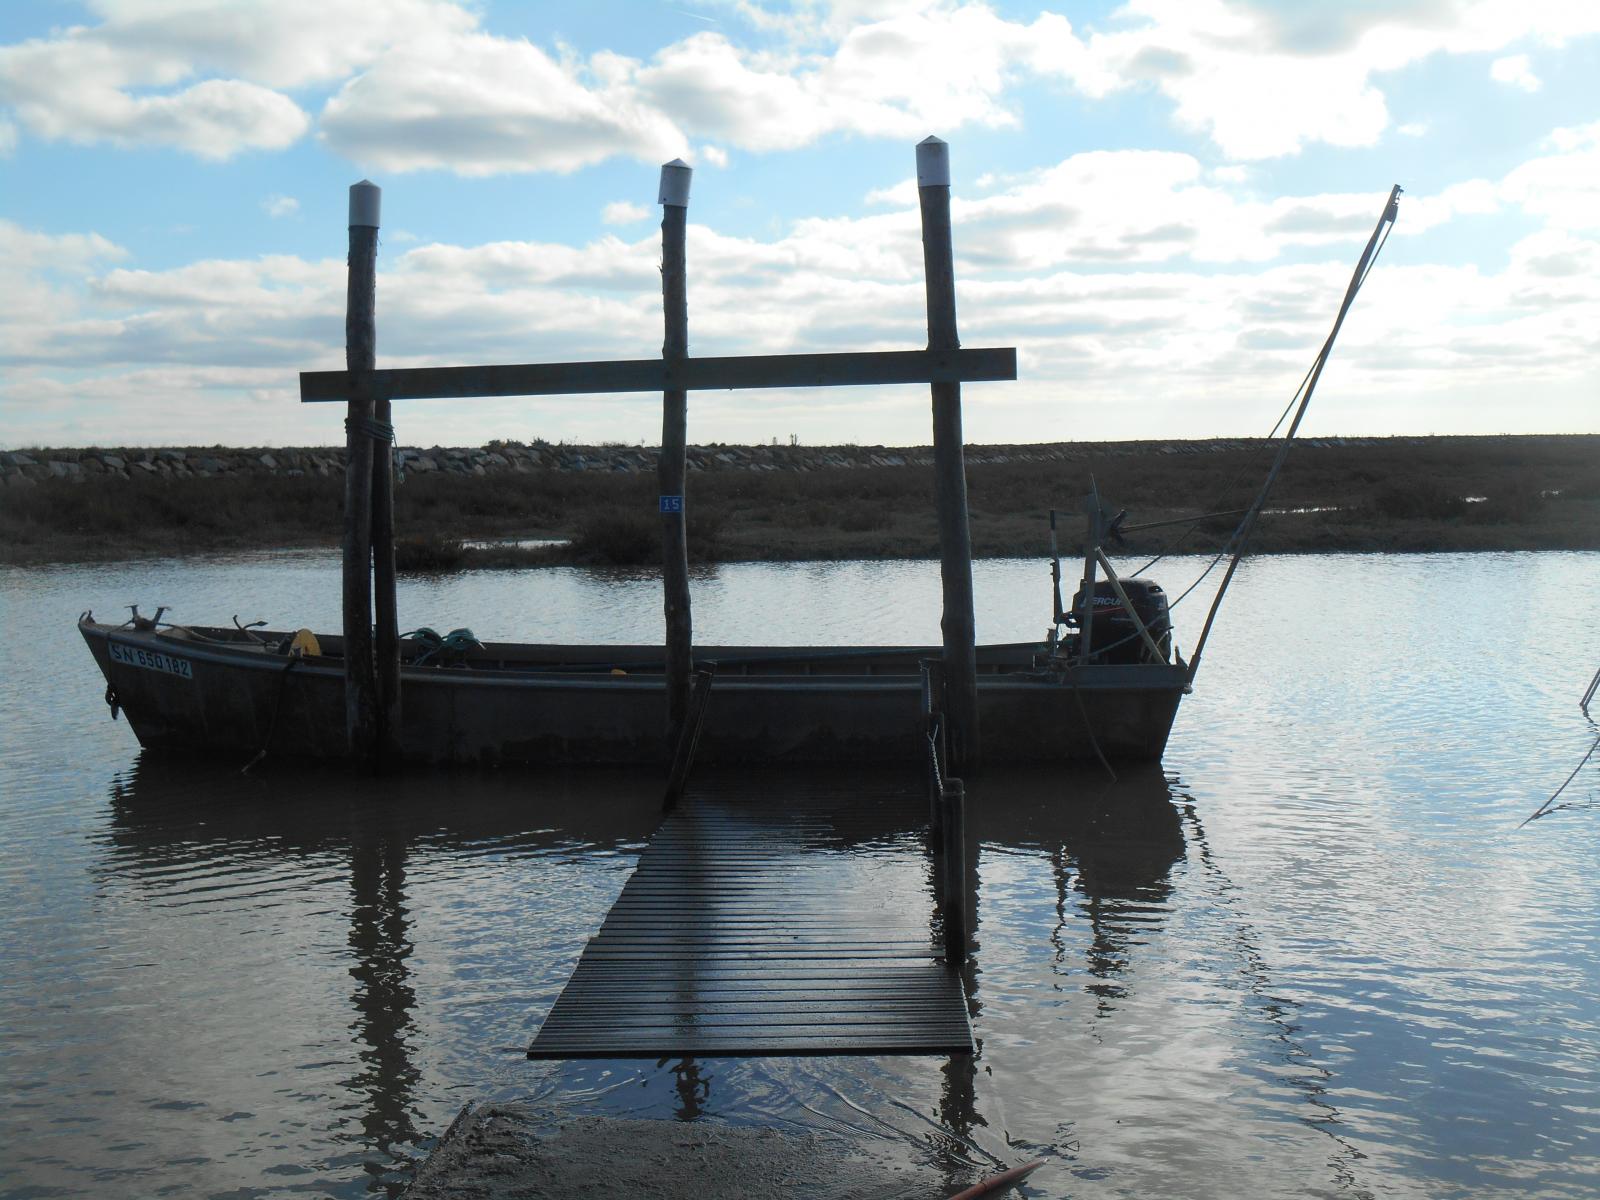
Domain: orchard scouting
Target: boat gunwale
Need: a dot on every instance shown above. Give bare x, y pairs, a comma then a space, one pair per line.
254, 656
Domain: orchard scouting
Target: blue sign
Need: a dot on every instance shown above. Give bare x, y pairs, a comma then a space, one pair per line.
672, 504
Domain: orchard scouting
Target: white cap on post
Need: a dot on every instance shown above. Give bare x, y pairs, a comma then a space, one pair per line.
366, 198
933, 163
675, 183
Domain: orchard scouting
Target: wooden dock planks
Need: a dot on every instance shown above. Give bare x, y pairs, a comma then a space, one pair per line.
769, 916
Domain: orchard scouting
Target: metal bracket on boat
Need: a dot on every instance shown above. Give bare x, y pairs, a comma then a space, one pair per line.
113, 701
145, 624
245, 629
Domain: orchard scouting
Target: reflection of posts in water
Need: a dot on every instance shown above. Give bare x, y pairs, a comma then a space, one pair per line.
958, 1096
384, 998
693, 1090
204, 816
1125, 852
1123, 838
958, 1111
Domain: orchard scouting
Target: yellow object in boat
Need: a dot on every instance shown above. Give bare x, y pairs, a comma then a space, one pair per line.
304, 643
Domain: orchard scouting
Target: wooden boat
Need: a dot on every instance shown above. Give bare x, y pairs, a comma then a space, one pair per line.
242, 692
1106, 683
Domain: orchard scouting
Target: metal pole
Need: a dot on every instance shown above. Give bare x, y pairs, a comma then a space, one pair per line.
1055, 572
673, 467
360, 335
1091, 509
949, 465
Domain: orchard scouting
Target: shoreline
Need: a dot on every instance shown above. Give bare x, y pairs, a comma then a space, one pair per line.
792, 503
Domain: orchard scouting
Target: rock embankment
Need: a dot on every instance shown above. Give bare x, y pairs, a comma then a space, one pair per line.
24, 467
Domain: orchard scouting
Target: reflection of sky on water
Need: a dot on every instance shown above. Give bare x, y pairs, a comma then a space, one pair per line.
1336, 966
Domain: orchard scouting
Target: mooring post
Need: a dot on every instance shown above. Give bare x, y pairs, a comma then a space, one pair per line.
386, 619
360, 338
949, 461
953, 871
674, 200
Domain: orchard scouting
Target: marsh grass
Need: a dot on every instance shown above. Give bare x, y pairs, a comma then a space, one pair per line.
1405, 494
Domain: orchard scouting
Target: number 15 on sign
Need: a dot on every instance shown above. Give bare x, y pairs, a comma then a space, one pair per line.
672, 504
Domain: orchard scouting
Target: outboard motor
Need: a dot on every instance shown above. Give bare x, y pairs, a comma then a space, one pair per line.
1115, 638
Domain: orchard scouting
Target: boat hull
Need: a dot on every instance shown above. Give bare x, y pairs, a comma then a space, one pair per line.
211, 691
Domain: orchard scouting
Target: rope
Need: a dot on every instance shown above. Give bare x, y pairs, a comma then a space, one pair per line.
457, 642
1088, 728
277, 707
934, 765
378, 431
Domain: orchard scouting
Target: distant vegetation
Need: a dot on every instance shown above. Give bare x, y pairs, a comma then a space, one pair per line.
1493, 493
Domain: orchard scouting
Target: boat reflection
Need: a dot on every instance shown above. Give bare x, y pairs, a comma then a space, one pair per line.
1112, 844
179, 828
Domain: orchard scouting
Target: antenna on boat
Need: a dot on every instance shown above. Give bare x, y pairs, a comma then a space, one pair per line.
1055, 573
1095, 514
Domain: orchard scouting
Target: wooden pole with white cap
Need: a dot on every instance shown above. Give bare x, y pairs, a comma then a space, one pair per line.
673, 466
360, 334
949, 461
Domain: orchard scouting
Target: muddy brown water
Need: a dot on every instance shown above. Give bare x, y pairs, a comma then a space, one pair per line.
1309, 955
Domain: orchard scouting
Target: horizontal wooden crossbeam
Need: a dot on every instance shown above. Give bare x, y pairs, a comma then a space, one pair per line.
657, 375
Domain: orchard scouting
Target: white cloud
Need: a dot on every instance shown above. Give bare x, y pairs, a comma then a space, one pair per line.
1562, 186
1218, 60
1515, 71
78, 95
1141, 292
425, 87
904, 193
284, 44
121, 81
711, 155
481, 105
623, 212
280, 206
478, 104
42, 281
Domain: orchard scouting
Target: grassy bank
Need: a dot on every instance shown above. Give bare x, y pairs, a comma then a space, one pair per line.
1458, 493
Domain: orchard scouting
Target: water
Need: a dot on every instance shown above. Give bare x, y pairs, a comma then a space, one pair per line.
1312, 955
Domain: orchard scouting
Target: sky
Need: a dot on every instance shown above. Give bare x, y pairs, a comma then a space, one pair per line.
1158, 203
